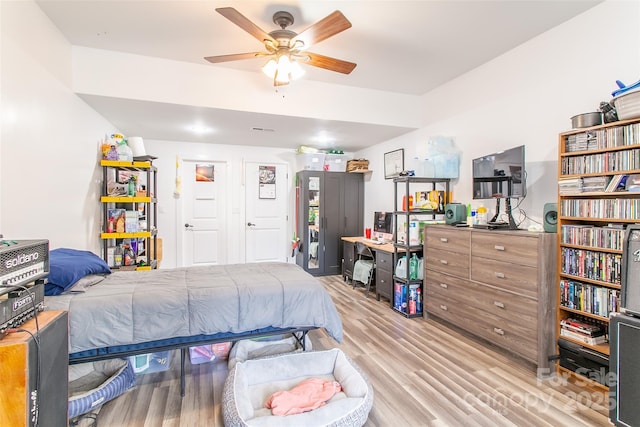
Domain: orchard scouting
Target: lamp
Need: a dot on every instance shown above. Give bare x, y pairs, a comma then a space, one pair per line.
283, 70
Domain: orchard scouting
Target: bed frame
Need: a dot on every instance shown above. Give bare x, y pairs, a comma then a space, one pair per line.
183, 344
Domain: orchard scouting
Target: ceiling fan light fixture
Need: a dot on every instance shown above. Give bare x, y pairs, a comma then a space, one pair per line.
270, 68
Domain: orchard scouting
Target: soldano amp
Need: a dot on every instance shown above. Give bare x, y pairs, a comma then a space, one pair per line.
23, 261
22, 264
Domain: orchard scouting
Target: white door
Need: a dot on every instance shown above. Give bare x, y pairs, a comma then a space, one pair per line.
266, 193
204, 200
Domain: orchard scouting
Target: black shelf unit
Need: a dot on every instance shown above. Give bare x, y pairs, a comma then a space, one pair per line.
402, 189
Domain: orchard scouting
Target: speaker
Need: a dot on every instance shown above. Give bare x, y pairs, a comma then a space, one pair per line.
630, 281
35, 373
550, 217
624, 394
455, 213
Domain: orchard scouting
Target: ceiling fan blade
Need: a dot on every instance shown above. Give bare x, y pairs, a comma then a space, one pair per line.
243, 22
328, 63
235, 57
323, 29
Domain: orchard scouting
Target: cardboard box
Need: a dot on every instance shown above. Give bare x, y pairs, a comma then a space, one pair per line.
357, 164
151, 251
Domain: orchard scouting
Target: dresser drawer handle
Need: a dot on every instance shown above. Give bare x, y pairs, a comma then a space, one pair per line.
444, 285
498, 331
444, 239
444, 261
499, 248
499, 275
443, 307
498, 304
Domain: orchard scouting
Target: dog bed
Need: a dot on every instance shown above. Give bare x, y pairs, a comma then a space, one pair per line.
244, 350
252, 382
93, 384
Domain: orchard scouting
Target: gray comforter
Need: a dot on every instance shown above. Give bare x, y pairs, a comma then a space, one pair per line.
134, 307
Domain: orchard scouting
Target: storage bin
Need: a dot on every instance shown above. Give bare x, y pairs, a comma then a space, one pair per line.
311, 161
150, 362
628, 105
336, 162
209, 353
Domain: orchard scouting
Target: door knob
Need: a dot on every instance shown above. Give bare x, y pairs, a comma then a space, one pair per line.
250, 224
187, 225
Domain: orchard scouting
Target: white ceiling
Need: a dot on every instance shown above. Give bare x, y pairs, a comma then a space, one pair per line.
430, 41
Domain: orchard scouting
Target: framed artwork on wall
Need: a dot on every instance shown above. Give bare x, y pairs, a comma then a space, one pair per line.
393, 163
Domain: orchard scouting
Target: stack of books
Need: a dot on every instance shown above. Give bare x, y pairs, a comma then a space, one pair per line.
583, 332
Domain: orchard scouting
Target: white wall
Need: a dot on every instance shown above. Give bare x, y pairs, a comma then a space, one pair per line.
49, 136
49, 177
169, 208
526, 96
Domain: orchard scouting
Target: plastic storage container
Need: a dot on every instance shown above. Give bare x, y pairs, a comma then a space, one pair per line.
311, 161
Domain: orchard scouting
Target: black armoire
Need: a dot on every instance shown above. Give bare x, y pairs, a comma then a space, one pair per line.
329, 205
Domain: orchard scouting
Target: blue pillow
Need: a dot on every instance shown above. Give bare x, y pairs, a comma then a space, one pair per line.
67, 266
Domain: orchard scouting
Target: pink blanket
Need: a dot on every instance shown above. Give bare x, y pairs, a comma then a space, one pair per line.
310, 394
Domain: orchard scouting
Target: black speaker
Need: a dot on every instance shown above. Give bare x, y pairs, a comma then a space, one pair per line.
34, 374
624, 394
455, 213
630, 281
550, 217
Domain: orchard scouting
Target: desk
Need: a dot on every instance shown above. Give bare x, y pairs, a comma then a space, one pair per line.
384, 264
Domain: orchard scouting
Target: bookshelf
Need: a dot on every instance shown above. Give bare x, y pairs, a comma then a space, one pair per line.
594, 164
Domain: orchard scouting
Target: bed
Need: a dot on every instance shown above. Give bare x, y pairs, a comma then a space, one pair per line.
127, 313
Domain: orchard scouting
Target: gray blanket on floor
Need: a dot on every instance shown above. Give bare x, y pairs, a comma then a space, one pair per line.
133, 307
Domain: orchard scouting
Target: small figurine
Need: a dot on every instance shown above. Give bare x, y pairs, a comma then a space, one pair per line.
112, 154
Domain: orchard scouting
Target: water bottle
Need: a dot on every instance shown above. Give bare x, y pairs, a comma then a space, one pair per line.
117, 256
418, 300
413, 267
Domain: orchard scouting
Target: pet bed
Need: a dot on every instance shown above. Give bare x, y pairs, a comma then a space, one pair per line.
93, 384
249, 385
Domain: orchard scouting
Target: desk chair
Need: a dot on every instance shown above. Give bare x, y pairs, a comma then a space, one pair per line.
364, 267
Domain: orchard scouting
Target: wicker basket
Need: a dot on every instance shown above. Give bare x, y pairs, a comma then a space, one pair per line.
357, 164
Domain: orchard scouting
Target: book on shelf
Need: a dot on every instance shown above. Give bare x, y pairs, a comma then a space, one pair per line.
615, 182
591, 340
582, 327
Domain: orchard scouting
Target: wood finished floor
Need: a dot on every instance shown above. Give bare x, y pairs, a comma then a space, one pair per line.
423, 374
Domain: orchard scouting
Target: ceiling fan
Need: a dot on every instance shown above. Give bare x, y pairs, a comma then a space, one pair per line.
285, 48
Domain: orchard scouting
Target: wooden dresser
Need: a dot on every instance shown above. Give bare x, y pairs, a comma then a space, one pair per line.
495, 284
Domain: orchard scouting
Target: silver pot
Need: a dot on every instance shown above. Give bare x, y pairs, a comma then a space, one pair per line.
586, 120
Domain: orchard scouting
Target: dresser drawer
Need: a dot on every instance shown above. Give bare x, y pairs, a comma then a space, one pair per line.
521, 279
505, 247
447, 238
453, 263
499, 303
384, 274
513, 334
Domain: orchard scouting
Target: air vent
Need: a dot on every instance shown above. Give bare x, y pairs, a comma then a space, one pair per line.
257, 129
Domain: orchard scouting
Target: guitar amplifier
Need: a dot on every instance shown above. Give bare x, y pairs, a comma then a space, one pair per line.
630, 282
23, 261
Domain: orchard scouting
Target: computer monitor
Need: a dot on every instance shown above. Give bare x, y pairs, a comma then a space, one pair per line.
383, 225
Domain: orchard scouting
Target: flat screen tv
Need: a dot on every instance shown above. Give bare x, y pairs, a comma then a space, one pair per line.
500, 175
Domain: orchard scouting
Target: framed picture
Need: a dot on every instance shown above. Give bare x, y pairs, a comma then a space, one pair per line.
393, 163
